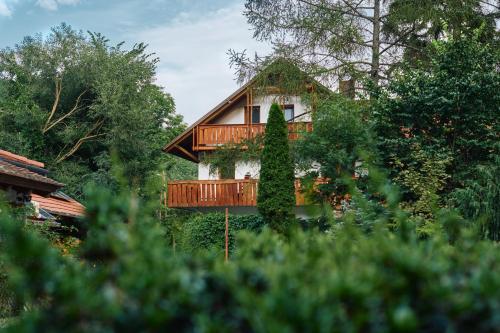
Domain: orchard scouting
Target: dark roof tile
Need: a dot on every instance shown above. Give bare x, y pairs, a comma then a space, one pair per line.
9, 169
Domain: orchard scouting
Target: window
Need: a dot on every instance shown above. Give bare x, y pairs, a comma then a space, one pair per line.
255, 114
289, 112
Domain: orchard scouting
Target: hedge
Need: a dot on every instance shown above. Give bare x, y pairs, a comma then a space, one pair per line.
207, 231
348, 281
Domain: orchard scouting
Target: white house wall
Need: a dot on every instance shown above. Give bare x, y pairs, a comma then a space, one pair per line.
236, 115
204, 172
265, 103
244, 168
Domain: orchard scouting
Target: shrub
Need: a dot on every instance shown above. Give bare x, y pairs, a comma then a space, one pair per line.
7, 306
479, 200
276, 194
314, 282
207, 231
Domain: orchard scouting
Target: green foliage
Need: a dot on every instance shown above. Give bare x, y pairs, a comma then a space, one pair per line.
313, 282
69, 99
418, 23
203, 232
335, 145
449, 107
223, 160
7, 300
479, 200
276, 193
422, 180
329, 39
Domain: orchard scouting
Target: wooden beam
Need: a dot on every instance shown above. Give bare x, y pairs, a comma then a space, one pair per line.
188, 153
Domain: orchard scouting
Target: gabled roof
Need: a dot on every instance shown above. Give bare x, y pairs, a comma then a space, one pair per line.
12, 174
209, 115
59, 204
175, 146
21, 159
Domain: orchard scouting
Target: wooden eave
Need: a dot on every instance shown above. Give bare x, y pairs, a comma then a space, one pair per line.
29, 184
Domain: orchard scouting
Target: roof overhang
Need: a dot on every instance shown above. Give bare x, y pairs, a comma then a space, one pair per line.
28, 183
175, 146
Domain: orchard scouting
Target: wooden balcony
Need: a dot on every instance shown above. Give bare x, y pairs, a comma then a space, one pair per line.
210, 137
218, 193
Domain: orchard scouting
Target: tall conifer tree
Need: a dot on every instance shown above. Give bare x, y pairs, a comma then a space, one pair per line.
276, 196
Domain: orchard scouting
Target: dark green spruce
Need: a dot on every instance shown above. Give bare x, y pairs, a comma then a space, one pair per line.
276, 194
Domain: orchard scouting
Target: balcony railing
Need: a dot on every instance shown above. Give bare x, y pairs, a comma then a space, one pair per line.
219, 193
209, 137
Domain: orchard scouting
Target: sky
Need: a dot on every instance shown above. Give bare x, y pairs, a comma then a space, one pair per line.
191, 38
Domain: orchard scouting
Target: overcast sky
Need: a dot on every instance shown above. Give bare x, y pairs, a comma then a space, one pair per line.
191, 38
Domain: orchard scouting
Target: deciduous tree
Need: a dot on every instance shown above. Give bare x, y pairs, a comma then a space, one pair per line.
69, 98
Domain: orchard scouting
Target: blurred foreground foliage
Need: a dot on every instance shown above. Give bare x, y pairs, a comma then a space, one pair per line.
128, 279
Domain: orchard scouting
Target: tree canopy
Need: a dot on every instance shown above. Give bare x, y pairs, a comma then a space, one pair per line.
71, 99
450, 105
333, 39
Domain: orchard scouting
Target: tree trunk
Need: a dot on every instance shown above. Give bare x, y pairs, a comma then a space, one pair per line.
376, 42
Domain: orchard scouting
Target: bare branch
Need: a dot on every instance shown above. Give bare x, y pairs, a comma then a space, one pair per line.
336, 9
355, 10
89, 136
57, 97
75, 108
397, 41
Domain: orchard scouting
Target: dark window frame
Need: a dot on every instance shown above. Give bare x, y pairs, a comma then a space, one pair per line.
255, 108
288, 107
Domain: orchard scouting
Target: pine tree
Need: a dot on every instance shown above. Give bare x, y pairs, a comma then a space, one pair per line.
276, 196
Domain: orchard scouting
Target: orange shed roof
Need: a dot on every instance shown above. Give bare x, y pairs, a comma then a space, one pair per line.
59, 205
21, 159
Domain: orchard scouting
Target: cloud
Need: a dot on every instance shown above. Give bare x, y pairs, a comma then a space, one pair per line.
194, 64
53, 5
4, 9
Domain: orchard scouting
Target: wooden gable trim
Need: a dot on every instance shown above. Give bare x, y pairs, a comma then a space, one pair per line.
188, 153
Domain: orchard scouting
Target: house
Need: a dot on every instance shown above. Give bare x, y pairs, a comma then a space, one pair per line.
25, 182
239, 117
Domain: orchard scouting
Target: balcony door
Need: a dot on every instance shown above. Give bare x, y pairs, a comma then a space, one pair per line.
289, 112
256, 114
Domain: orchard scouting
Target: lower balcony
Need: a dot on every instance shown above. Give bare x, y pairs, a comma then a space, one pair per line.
218, 193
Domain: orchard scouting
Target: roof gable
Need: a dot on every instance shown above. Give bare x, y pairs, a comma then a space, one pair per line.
210, 115
181, 145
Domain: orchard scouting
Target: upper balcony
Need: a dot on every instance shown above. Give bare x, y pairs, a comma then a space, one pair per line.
211, 137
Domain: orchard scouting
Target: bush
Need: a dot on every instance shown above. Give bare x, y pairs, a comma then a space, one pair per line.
313, 282
207, 231
7, 305
479, 200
